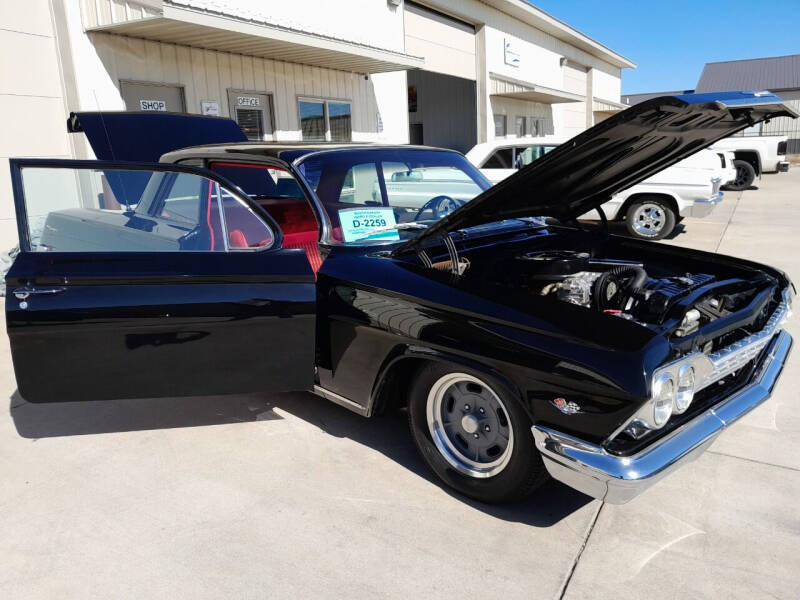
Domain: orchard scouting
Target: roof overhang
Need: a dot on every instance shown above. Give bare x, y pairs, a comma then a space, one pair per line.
179, 25
600, 105
513, 88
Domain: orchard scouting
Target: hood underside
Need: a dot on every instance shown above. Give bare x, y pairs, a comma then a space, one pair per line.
145, 136
584, 172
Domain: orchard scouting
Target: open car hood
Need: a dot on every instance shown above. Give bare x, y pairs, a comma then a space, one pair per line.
584, 172
145, 136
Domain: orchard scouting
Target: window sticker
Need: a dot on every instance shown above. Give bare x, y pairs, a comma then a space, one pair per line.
368, 224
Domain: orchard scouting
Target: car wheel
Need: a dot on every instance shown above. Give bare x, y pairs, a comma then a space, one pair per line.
745, 176
473, 435
650, 219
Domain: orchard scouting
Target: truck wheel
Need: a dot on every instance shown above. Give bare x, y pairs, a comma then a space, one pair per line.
475, 437
650, 219
745, 176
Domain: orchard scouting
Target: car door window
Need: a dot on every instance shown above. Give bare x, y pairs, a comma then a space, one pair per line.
88, 209
526, 155
501, 159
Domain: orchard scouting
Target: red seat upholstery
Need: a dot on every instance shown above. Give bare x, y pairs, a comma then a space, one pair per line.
237, 239
296, 220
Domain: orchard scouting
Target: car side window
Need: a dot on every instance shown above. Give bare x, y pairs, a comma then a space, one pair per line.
501, 159
85, 209
527, 154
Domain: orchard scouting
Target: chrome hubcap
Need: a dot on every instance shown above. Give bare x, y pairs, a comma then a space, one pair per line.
649, 219
469, 425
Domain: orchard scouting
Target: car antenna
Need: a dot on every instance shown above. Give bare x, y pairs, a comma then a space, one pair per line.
110, 147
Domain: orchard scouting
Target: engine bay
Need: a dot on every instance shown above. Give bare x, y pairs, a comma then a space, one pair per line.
625, 289
681, 296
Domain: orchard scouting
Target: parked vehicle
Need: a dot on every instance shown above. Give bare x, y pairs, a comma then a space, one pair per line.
728, 167
755, 155
650, 209
520, 349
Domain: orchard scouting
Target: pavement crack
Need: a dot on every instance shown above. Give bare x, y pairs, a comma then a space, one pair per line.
754, 460
565, 585
730, 218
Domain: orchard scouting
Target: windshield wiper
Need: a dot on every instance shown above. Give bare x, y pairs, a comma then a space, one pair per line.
398, 227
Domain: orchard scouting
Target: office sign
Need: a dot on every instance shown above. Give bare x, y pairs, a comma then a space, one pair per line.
248, 101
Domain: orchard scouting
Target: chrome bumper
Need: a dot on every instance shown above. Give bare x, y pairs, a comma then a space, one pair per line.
590, 469
704, 207
783, 166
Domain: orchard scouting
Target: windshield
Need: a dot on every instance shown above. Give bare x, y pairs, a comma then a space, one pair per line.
388, 195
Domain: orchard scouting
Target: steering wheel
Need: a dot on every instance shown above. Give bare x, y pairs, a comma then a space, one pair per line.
440, 205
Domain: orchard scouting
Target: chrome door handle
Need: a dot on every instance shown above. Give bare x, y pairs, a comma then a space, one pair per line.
23, 292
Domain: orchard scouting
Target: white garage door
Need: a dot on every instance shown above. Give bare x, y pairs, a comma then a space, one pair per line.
447, 44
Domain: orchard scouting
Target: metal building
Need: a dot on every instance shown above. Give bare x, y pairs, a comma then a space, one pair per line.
446, 73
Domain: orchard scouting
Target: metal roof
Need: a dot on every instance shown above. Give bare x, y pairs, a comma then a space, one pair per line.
204, 25
774, 74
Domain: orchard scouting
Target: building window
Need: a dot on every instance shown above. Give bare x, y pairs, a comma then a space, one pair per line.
340, 124
535, 126
499, 126
520, 126
412, 98
325, 120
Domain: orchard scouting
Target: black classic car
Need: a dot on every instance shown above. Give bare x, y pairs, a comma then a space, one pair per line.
187, 261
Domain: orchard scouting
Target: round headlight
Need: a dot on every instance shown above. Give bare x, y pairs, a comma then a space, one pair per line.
685, 393
663, 399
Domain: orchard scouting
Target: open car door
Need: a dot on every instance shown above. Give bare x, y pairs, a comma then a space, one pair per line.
150, 280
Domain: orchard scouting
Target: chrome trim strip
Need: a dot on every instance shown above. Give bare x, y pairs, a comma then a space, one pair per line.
617, 479
364, 411
733, 357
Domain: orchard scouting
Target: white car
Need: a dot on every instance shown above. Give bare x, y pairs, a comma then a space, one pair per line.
650, 209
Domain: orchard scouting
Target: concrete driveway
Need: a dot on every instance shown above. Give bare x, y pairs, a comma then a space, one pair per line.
291, 496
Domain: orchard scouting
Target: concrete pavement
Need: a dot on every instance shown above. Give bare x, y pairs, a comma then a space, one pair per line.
291, 496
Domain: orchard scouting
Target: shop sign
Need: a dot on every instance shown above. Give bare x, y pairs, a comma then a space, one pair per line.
158, 105
248, 101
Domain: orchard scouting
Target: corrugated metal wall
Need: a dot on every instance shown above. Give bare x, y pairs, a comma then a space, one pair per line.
209, 74
786, 126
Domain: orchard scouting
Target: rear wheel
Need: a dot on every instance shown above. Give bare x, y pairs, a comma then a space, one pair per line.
745, 176
473, 435
650, 219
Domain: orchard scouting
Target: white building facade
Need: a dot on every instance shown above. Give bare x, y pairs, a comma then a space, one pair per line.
441, 72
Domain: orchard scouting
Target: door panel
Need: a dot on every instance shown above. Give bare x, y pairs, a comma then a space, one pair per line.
130, 324
152, 97
253, 112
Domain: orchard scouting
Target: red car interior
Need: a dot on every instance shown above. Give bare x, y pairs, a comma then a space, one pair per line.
284, 201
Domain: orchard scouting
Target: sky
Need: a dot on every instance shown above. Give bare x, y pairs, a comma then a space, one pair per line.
671, 40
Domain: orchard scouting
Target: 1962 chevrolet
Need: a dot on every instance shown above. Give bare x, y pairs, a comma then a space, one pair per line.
520, 349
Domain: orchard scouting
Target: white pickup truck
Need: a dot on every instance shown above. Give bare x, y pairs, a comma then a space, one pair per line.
650, 209
753, 156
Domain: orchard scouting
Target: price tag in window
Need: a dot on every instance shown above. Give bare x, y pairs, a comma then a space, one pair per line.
368, 224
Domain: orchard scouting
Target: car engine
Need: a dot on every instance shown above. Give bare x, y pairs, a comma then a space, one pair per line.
624, 288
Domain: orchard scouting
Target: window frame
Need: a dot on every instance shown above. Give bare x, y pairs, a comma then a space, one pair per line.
326, 114
21, 206
505, 125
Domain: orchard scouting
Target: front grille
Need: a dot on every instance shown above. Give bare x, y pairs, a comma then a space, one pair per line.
727, 370
733, 357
